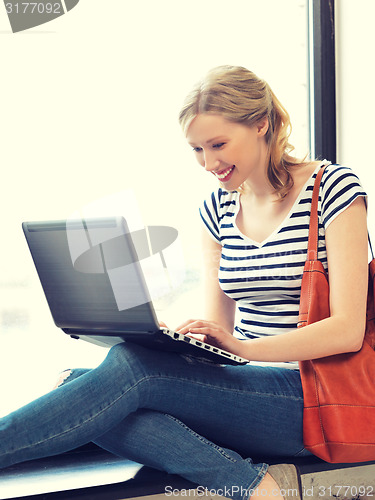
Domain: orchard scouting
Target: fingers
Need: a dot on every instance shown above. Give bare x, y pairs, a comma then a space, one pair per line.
210, 332
197, 336
194, 325
204, 331
185, 324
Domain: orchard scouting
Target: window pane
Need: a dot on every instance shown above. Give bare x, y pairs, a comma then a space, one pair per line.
89, 111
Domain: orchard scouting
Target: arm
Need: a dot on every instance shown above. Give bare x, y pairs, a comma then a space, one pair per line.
343, 331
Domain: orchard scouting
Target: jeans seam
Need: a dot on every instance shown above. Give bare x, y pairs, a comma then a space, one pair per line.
201, 438
232, 389
256, 481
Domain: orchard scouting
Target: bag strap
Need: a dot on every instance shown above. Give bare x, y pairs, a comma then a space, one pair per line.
312, 248
368, 235
369, 242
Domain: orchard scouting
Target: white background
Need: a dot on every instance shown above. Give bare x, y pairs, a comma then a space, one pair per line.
89, 106
355, 42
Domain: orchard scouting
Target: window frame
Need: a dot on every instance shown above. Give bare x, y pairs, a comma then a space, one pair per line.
322, 78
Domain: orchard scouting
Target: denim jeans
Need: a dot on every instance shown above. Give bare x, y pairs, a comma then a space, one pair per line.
169, 411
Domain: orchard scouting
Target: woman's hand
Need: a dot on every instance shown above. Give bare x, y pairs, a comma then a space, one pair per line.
210, 332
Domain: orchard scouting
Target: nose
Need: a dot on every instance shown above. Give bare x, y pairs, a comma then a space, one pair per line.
210, 162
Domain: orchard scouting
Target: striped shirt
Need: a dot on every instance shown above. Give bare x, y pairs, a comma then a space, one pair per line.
265, 278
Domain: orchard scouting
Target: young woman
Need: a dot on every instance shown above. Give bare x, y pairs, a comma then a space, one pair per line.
206, 421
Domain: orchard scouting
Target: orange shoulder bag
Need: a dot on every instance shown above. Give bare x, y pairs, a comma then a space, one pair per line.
338, 390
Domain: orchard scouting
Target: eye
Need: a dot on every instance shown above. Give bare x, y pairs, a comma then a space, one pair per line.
219, 145
197, 150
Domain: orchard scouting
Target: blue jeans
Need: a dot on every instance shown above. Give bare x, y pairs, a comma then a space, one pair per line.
168, 411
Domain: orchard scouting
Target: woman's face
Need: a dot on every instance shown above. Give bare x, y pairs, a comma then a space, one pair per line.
231, 151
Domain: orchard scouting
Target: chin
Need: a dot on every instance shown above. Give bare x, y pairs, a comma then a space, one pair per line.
228, 186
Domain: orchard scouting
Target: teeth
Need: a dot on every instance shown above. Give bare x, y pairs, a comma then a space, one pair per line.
222, 175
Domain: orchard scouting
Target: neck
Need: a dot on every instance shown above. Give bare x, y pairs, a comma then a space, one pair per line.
257, 186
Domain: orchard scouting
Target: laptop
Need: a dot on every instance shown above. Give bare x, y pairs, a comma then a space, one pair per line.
96, 290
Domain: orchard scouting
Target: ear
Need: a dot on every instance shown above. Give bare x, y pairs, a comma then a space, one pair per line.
262, 127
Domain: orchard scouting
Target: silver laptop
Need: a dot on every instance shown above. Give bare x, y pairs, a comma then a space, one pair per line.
95, 288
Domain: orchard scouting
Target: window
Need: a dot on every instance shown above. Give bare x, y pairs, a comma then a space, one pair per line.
89, 112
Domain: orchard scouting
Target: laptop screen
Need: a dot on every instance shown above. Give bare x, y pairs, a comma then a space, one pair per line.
90, 274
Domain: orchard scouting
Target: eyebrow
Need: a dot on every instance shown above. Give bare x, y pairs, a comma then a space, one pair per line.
219, 137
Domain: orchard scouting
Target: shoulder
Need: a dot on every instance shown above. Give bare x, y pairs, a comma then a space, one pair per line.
220, 201
215, 207
338, 173
340, 186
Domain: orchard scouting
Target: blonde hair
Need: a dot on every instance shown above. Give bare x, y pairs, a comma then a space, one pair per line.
242, 97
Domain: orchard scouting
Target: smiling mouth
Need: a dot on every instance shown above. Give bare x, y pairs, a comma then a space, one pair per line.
224, 174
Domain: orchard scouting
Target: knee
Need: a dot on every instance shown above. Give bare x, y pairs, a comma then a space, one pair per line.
70, 374
122, 352
126, 357
62, 378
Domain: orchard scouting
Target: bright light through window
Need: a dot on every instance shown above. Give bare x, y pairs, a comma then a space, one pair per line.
89, 110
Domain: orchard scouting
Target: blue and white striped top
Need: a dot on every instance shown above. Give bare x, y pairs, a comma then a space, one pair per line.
265, 278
